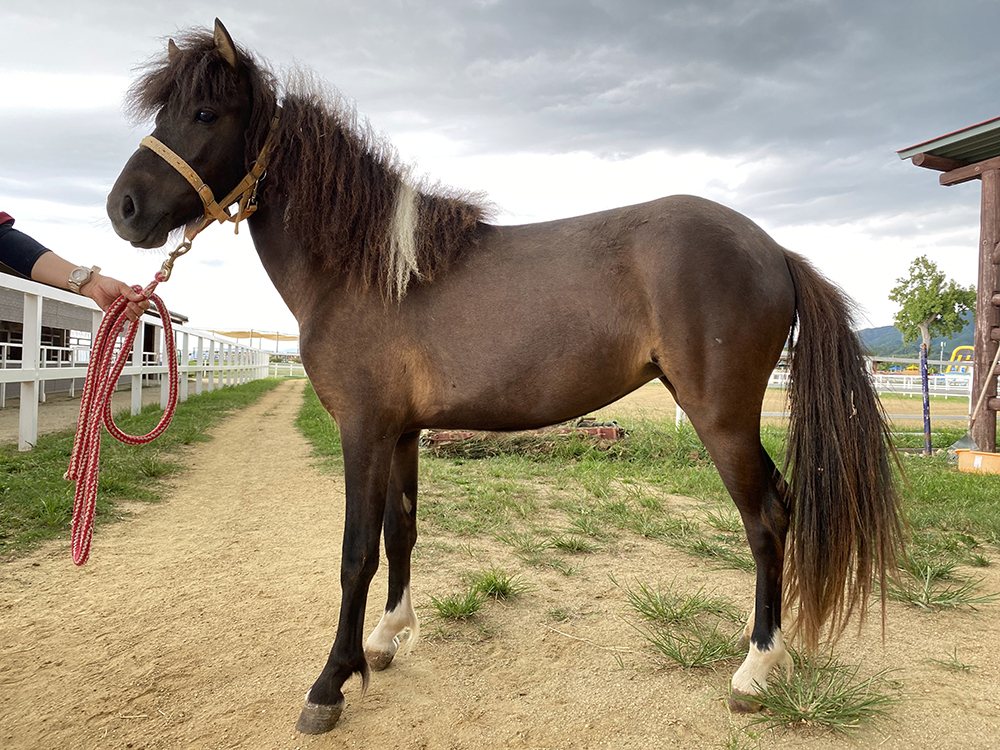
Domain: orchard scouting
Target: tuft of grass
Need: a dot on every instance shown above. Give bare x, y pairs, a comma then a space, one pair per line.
573, 543
559, 614
496, 583
729, 554
932, 592
669, 607
724, 519
952, 663
588, 525
523, 542
684, 628
459, 606
153, 466
693, 647
827, 694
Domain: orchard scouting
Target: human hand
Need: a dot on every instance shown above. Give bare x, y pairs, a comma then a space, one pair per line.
104, 290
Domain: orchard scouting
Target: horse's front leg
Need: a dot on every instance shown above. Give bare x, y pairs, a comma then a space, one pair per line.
400, 536
368, 454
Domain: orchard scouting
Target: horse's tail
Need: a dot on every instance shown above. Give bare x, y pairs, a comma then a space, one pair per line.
842, 486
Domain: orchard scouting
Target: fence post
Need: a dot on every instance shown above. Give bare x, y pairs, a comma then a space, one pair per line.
31, 341
199, 374
211, 364
184, 357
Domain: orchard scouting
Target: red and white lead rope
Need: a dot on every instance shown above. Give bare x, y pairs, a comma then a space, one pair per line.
104, 370
103, 373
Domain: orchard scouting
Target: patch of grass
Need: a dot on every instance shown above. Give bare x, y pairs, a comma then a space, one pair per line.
574, 544
931, 592
944, 502
496, 583
36, 501
152, 465
588, 525
319, 428
952, 663
686, 628
671, 607
724, 519
727, 553
827, 694
523, 542
459, 606
696, 646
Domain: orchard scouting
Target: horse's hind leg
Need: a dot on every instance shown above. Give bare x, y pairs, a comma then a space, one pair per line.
752, 480
400, 536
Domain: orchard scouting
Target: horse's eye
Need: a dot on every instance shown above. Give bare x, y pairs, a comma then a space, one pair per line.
206, 115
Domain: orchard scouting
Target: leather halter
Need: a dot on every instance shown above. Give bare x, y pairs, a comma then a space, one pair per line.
244, 194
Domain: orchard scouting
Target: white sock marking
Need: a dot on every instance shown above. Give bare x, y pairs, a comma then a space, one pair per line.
751, 677
383, 637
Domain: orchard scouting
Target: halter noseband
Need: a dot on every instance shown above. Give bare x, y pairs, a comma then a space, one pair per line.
244, 194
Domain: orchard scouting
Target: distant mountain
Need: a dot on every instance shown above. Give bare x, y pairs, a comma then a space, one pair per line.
887, 341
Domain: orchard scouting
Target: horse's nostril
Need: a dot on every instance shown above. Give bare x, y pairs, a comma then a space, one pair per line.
128, 207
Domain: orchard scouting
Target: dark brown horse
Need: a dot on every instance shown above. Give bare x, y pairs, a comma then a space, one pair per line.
415, 313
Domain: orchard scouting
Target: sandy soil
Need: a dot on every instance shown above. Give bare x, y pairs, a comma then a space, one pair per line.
200, 622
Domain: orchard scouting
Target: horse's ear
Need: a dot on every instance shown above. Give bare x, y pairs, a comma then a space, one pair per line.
224, 44
172, 50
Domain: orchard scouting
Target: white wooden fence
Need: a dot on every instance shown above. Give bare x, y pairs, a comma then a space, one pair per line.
207, 360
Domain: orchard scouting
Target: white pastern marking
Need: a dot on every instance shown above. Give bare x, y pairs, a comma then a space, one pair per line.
383, 637
751, 677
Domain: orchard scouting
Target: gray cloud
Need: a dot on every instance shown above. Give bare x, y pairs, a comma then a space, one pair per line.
826, 91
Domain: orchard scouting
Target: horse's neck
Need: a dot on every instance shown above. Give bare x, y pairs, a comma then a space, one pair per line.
292, 271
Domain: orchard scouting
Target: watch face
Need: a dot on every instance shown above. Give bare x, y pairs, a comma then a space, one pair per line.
79, 274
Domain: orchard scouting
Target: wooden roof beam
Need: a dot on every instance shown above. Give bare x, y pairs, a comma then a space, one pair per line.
938, 163
969, 172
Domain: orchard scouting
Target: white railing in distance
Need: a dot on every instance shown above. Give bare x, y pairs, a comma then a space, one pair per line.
222, 362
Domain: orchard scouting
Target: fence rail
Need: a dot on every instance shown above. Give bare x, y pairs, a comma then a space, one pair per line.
207, 360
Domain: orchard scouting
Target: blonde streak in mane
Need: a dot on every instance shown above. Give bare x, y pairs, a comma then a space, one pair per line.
403, 239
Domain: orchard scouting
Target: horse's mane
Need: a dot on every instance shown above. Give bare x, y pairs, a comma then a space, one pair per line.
349, 201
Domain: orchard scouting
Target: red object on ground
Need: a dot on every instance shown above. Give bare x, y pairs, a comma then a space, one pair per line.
95, 410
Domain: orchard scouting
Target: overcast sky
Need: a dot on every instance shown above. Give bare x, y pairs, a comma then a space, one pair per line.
788, 111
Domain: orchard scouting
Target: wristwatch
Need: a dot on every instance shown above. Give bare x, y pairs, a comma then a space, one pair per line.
80, 276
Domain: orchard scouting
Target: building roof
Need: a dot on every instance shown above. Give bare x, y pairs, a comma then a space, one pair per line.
969, 145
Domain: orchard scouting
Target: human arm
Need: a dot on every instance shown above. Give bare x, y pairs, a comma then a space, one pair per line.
32, 259
53, 270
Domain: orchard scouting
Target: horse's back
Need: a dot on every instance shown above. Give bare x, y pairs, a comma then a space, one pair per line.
687, 260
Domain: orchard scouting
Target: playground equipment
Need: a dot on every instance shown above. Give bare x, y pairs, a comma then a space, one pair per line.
959, 355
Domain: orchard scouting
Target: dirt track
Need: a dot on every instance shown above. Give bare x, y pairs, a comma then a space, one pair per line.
201, 621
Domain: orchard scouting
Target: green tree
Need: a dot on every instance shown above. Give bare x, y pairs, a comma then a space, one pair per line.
929, 304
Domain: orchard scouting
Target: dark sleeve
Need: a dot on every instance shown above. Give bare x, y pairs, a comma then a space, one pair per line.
18, 250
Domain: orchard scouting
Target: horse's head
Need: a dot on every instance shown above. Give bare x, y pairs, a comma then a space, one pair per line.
202, 95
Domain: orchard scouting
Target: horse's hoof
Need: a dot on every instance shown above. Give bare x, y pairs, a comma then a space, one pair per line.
379, 660
317, 719
742, 703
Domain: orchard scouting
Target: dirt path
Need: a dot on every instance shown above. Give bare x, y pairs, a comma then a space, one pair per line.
201, 621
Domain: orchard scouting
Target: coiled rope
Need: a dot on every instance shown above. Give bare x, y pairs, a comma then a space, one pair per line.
105, 368
103, 372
